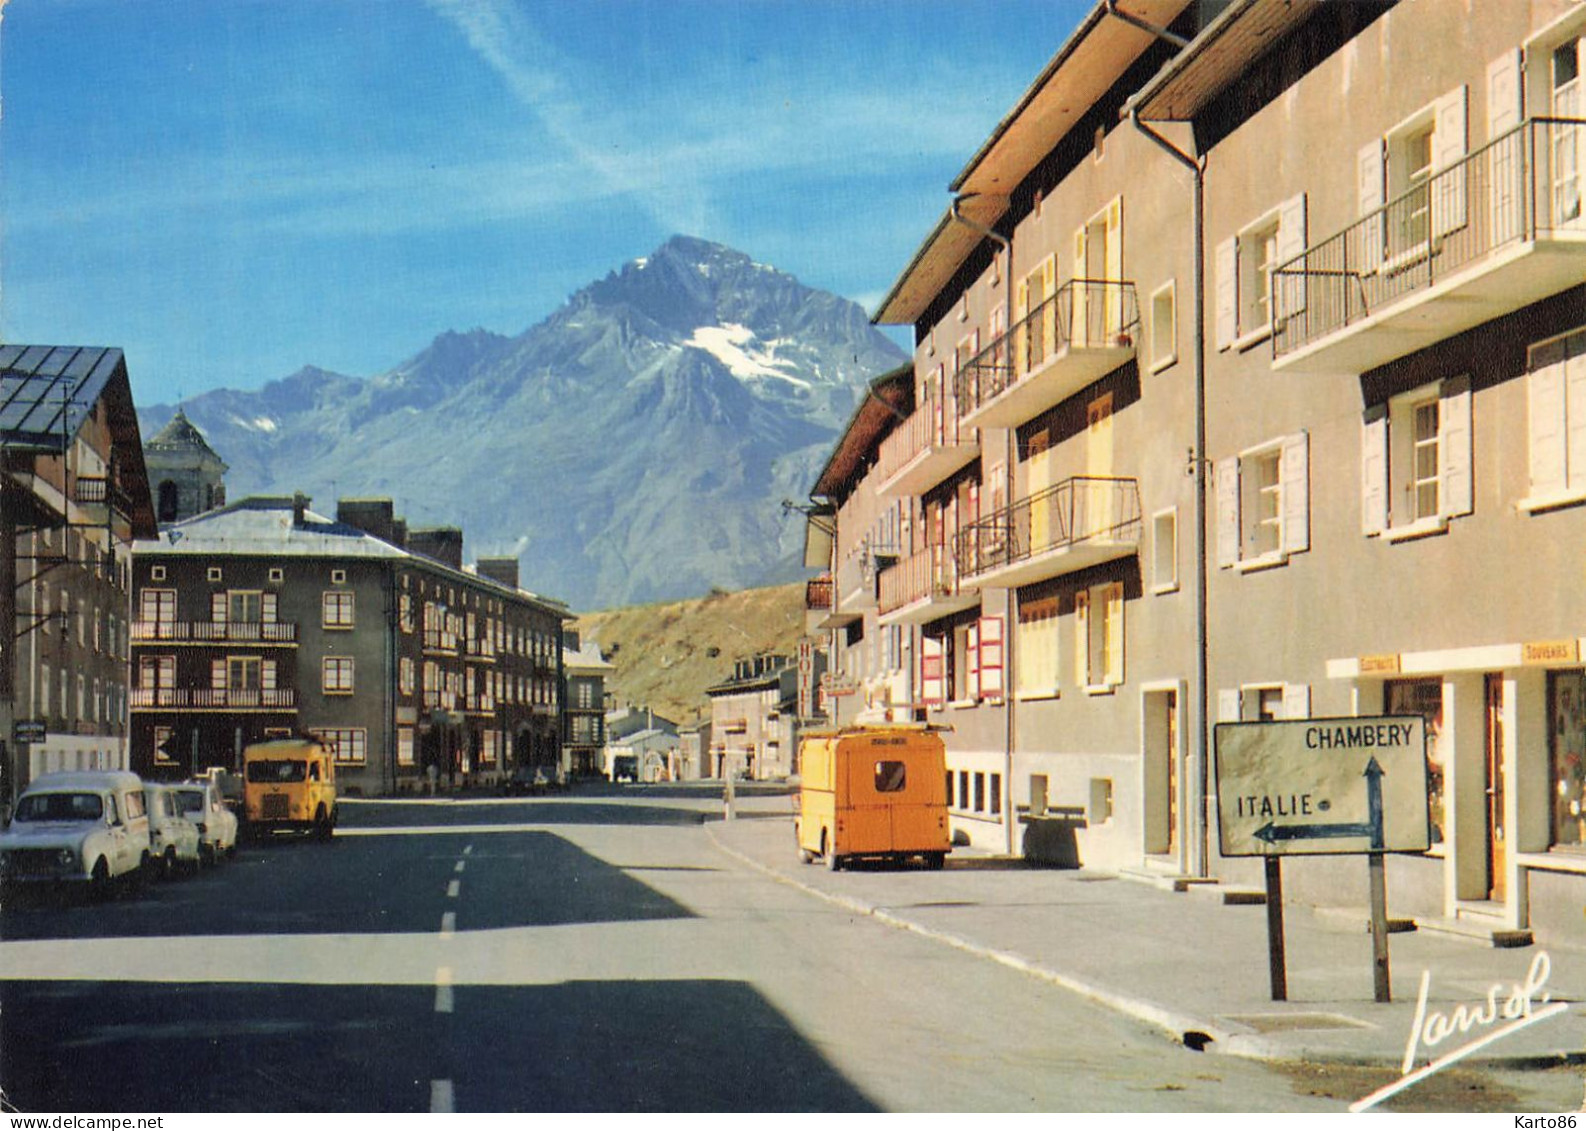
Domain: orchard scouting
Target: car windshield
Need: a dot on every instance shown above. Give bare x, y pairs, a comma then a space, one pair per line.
278, 770
192, 800
60, 807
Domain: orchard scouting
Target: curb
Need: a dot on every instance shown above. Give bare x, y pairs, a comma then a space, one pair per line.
1184, 1029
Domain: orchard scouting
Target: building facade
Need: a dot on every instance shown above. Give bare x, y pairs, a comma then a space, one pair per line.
584, 722
74, 495
754, 720
1246, 367
263, 619
186, 477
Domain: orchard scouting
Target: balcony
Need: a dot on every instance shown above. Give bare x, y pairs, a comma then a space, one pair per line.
213, 632
1082, 333
856, 580
818, 605
921, 588
926, 448
212, 699
1501, 229
440, 642
1079, 523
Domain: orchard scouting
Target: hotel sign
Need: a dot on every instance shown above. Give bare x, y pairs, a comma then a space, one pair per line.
1308, 787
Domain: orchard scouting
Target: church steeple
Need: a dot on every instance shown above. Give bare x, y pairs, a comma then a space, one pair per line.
185, 473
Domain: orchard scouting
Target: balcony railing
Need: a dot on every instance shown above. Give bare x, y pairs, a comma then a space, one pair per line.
213, 698
818, 594
1070, 526
1094, 322
925, 448
926, 583
214, 632
437, 640
1523, 186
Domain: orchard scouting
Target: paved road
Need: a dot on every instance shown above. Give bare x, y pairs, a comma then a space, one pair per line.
546, 955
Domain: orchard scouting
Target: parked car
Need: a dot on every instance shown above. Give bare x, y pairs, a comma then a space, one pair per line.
78, 828
173, 837
201, 800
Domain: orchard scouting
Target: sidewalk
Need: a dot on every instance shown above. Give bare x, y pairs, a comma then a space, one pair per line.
1189, 964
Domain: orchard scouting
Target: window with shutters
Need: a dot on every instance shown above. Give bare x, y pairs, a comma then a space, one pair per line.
1556, 380
1098, 637
1416, 460
1263, 504
1409, 169
1251, 296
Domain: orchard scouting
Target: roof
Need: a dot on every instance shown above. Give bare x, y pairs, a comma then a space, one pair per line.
888, 398
585, 660
47, 394
265, 526
182, 435
1218, 56
1096, 55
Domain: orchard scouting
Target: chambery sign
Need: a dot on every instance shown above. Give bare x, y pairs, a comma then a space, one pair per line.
1306, 787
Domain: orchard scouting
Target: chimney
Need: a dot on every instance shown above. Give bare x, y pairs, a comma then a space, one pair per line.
372, 516
501, 570
300, 503
443, 543
399, 532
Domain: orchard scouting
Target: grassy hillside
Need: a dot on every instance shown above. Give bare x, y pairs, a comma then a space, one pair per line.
666, 655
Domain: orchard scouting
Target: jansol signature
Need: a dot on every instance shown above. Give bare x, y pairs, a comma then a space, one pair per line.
1506, 1010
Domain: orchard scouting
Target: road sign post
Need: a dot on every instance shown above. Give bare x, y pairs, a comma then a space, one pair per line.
1322, 787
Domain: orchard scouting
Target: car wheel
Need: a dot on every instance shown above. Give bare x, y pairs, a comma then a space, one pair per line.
168, 862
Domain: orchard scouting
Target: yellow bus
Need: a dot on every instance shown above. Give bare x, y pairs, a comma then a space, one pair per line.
873, 792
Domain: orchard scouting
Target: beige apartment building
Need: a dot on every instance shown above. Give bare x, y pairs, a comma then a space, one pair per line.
1249, 382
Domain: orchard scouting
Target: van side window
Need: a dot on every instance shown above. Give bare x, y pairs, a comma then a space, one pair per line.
890, 777
135, 807
112, 816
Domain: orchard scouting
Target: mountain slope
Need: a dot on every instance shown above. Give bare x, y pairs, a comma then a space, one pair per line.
631, 447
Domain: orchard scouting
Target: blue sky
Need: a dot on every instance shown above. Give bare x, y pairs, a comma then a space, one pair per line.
231, 189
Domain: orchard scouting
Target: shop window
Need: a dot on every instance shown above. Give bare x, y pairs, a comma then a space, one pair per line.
996, 795
1567, 755
1424, 697
980, 792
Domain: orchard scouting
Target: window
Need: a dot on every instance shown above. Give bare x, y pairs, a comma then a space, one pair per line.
157, 680
996, 795
980, 792
338, 577
213, 573
1566, 83
1263, 504
1099, 812
1246, 270
156, 573
1424, 697
1557, 406
1164, 551
405, 675
336, 675
1410, 192
1409, 150
1098, 617
891, 777
1416, 460
1036, 647
277, 575
337, 606
1567, 756
347, 744
162, 746
963, 789
244, 607
405, 611
1164, 327
244, 673
404, 751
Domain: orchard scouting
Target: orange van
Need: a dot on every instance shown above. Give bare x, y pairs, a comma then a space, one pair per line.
873, 792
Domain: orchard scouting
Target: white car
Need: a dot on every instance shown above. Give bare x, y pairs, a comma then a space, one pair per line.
173, 838
217, 824
85, 828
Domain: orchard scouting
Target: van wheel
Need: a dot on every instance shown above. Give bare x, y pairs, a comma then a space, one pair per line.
806, 856
168, 862
99, 881
935, 860
323, 825
833, 862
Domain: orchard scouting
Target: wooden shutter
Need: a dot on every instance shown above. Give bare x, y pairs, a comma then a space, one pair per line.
217, 675
1374, 470
1454, 448
1228, 705
972, 659
268, 675
1549, 472
1294, 473
1082, 637
1296, 700
1227, 257
1225, 478
991, 659
1113, 621
267, 608
1504, 109
1371, 179
217, 608
1288, 291
932, 688
1079, 304
1114, 269
1449, 145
